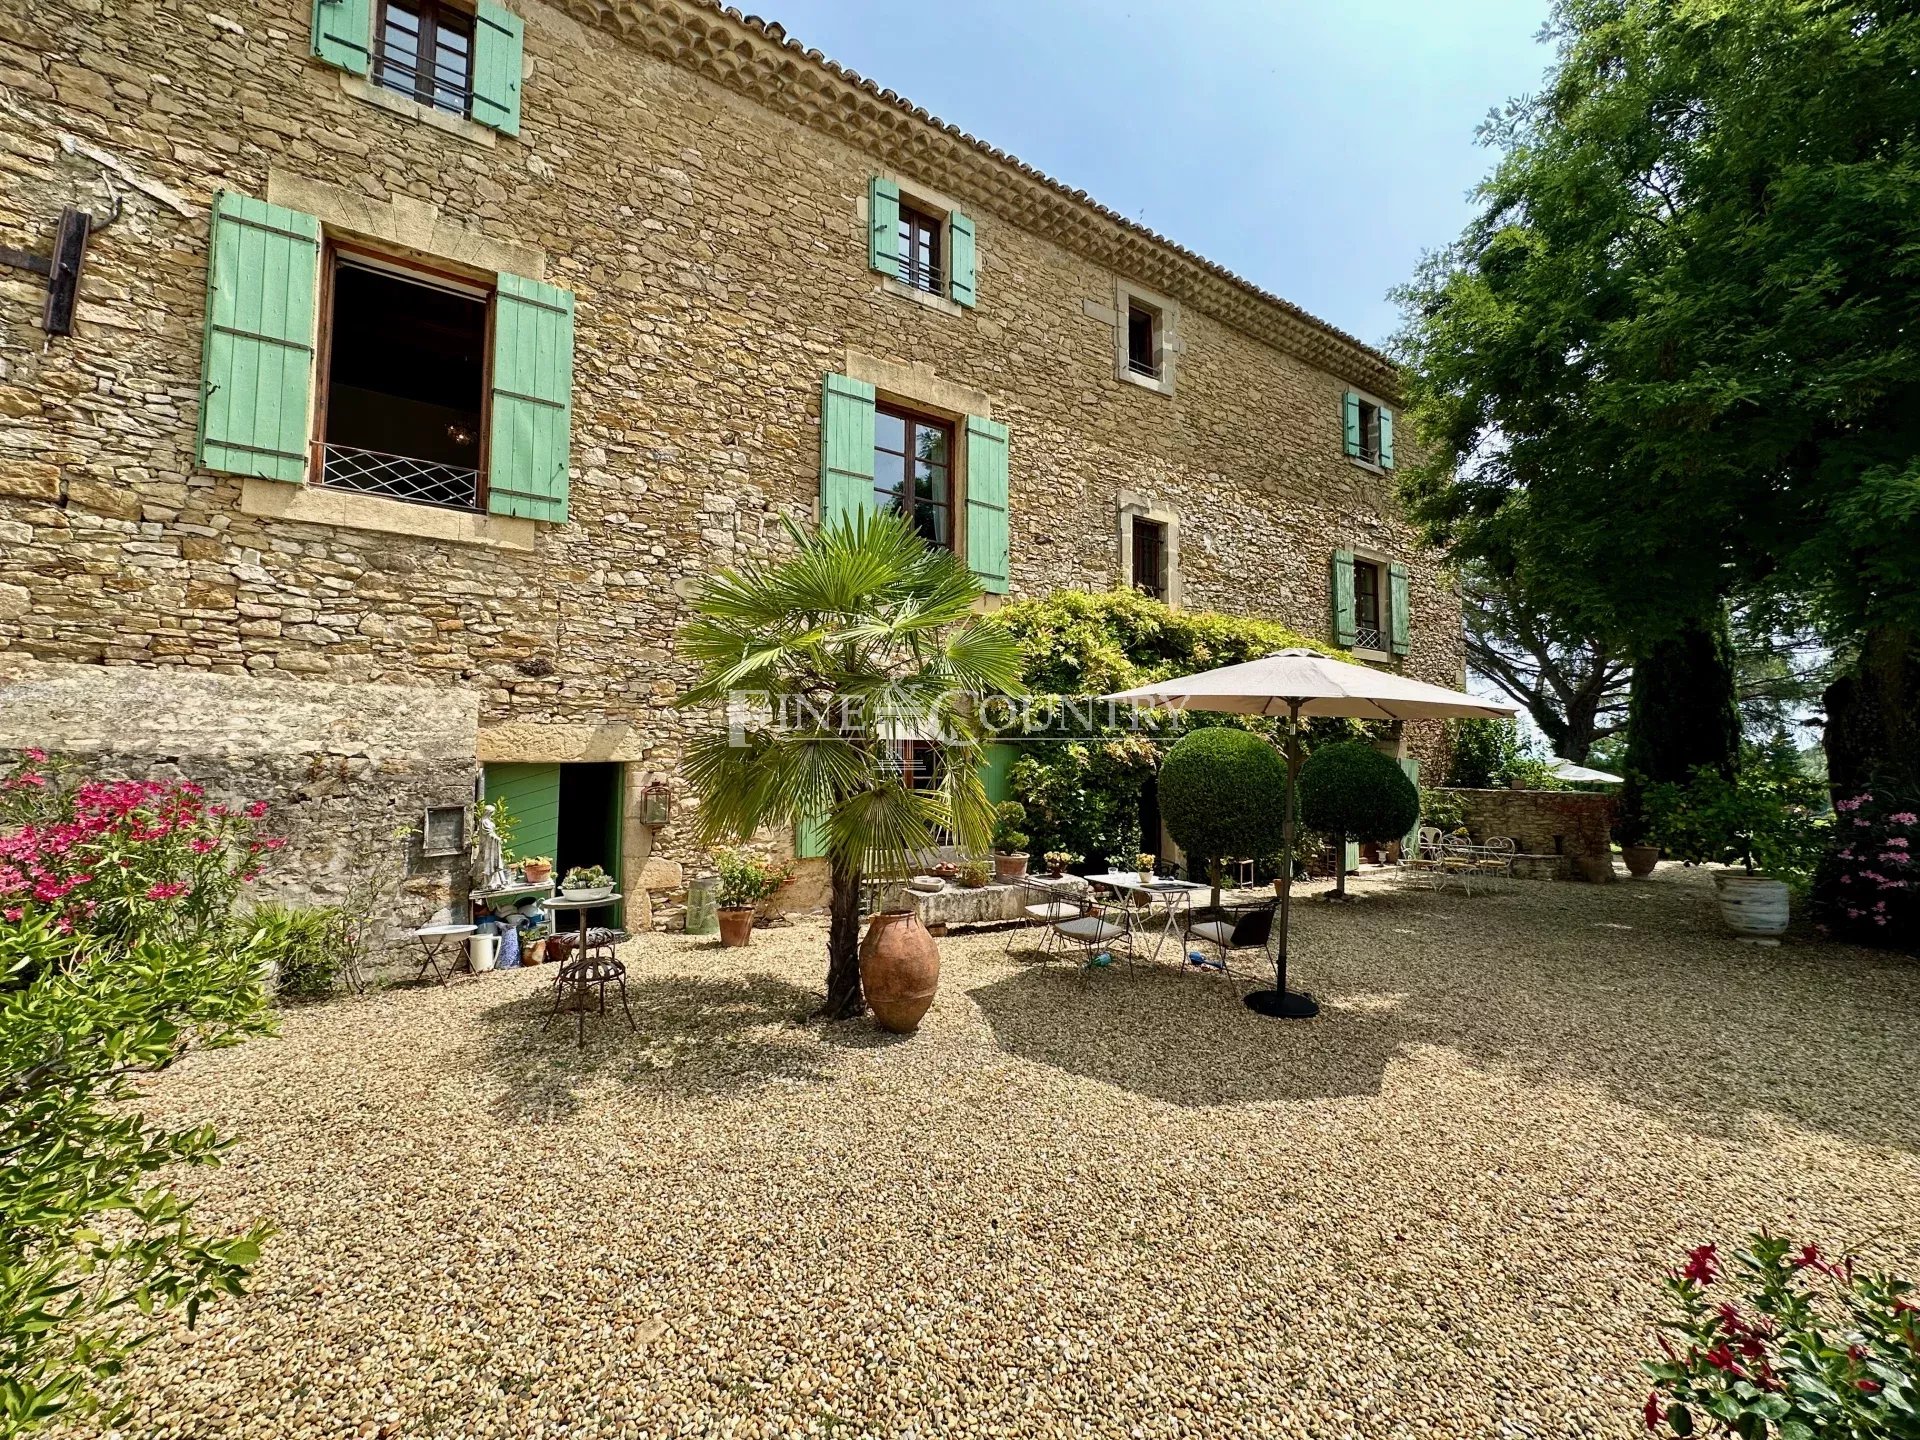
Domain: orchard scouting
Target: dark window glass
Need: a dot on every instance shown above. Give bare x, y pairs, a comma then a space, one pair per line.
920, 764
1150, 557
906, 446
1366, 603
920, 250
1141, 357
1369, 431
425, 49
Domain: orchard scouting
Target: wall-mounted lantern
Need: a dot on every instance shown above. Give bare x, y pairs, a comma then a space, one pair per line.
656, 803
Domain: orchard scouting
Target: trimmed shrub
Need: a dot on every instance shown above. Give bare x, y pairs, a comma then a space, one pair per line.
1223, 793
1355, 792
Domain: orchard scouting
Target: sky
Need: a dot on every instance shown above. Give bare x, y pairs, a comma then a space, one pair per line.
1316, 147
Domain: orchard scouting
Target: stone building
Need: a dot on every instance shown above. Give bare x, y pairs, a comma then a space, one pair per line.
426, 351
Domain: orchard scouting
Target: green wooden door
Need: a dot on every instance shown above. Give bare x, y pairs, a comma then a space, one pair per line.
532, 797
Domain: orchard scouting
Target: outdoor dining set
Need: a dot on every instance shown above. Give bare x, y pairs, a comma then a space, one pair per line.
1114, 914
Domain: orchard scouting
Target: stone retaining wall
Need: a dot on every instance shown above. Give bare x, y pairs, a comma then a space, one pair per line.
1575, 825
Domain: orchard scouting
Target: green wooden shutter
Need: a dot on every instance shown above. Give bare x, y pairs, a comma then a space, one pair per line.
810, 838
497, 43
846, 448
532, 796
883, 226
1386, 438
343, 33
527, 442
1398, 616
1410, 842
1346, 625
960, 260
1350, 420
256, 377
987, 503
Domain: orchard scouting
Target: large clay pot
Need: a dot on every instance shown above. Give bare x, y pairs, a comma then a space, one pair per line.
1754, 907
1640, 859
899, 970
1009, 867
736, 926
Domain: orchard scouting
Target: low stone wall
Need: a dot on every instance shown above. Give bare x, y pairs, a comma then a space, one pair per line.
1575, 826
340, 766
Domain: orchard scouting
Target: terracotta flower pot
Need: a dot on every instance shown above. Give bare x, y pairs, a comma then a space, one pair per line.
1009, 867
537, 874
899, 970
1640, 859
736, 926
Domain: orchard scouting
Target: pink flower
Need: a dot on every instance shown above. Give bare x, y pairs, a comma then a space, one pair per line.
13, 912
256, 810
201, 847
1703, 1264
1905, 817
35, 754
166, 892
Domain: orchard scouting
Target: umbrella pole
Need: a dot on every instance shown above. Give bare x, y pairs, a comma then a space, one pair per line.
1281, 1003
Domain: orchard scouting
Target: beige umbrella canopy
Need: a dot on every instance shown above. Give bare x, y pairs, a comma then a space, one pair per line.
1297, 684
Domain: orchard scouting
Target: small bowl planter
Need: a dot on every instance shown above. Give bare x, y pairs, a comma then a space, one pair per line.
1009, 867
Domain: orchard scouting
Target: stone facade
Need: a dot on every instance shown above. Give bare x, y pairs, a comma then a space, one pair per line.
700, 185
1574, 826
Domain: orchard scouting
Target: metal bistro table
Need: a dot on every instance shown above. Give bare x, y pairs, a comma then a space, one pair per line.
1173, 897
435, 940
584, 971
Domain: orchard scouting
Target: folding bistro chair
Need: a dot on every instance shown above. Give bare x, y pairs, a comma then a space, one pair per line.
1044, 905
1230, 930
1100, 926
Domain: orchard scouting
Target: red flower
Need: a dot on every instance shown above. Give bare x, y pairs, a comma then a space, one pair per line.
1720, 1357
1653, 1411
257, 809
1703, 1265
14, 912
35, 754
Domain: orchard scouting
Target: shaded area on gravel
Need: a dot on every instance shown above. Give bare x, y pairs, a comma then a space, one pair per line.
1077, 1203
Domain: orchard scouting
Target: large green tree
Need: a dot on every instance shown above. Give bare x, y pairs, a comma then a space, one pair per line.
815, 666
1674, 361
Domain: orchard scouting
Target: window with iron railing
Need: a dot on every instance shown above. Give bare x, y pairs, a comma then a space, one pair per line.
920, 251
1368, 607
1143, 341
424, 49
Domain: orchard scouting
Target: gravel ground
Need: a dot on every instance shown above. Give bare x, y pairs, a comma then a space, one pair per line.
1077, 1203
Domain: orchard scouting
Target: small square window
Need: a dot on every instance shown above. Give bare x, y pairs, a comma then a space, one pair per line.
920, 250
423, 49
405, 384
1143, 340
1149, 557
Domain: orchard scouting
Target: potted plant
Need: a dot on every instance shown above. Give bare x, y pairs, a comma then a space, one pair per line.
1058, 860
1009, 840
537, 868
1143, 865
586, 882
974, 874
745, 880
533, 944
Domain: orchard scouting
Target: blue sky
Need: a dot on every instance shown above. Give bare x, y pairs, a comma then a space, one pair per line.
1316, 147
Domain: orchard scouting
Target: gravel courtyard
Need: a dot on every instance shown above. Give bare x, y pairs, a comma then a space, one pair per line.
1077, 1203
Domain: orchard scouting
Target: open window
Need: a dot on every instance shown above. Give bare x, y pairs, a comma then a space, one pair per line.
405, 383
921, 257
913, 471
1145, 330
423, 49
1143, 339
1368, 430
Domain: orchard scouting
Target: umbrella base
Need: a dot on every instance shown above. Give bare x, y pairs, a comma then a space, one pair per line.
1282, 1004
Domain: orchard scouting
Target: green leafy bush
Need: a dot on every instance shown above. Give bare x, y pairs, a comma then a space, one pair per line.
1793, 1346
301, 947
1354, 792
1768, 819
1479, 751
746, 879
1223, 794
1443, 810
1084, 796
1008, 837
119, 954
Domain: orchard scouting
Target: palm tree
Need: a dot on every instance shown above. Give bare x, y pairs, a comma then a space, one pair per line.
822, 662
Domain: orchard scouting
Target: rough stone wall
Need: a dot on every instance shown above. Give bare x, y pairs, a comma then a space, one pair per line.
340, 766
717, 253
1576, 824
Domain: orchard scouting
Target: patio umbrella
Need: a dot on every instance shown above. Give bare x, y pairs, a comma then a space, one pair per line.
1567, 770
1305, 683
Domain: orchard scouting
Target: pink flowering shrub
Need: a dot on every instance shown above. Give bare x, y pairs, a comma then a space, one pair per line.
109, 861
1871, 882
1786, 1342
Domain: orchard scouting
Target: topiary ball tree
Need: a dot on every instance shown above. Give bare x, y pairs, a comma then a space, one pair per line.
1223, 793
1352, 791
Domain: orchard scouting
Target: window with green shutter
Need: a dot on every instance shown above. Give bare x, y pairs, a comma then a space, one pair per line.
1346, 625
1366, 430
256, 387
1386, 438
1350, 422
497, 45
532, 392
883, 226
1399, 617
987, 503
962, 284
343, 33
846, 448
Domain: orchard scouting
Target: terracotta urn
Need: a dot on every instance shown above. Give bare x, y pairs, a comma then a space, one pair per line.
1640, 859
736, 926
899, 970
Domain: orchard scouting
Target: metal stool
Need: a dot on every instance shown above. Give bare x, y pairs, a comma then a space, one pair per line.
592, 971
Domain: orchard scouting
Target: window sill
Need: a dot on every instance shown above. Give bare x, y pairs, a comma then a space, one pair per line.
1161, 386
927, 298
379, 96
1369, 466
313, 505
1384, 657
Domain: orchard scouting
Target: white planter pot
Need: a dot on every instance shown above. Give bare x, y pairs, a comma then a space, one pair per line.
1754, 907
482, 951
